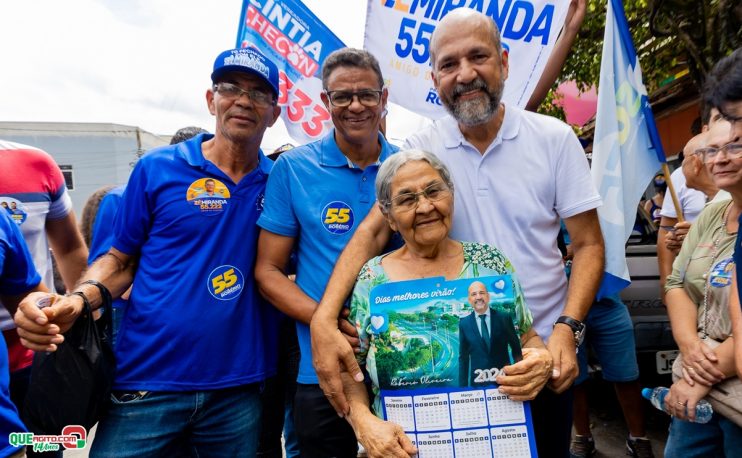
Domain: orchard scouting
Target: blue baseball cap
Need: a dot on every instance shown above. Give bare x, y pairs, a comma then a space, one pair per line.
246, 60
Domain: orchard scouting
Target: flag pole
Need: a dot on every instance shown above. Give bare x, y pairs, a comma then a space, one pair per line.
671, 187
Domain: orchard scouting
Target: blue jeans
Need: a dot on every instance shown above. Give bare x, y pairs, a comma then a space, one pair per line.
718, 437
218, 423
289, 433
610, 333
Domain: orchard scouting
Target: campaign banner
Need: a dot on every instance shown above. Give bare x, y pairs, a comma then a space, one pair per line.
289, 34
435, 351
398, 33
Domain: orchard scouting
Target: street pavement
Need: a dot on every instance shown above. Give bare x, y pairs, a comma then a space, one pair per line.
608, 427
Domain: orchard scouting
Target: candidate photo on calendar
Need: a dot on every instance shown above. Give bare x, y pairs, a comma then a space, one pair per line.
487, 338
443, 333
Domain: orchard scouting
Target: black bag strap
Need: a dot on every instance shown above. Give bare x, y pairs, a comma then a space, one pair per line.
87, 308
105, 294
105, 323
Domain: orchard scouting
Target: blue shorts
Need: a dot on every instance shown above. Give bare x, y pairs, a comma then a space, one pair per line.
610, 334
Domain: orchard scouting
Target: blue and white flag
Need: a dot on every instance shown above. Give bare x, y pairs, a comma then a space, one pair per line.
627, 151
289, 34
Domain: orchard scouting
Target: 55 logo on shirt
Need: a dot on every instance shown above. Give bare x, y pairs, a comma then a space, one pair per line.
225, 282
337, 217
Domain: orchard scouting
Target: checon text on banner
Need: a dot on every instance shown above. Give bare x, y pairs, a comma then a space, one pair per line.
289, 34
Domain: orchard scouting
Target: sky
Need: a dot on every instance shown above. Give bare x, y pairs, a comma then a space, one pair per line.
144, 63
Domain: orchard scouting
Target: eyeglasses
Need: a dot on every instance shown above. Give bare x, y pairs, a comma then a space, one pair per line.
231, 91
341, 99
410, 200
732, 150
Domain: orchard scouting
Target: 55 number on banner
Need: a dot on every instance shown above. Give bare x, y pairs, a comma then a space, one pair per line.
399, 32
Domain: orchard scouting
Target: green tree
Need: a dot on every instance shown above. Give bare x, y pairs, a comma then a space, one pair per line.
388, 362
669, 36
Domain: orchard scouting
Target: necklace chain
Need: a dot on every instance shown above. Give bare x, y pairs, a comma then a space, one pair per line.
722, 231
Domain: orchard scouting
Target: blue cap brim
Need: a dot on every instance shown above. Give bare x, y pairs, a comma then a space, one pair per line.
216, 75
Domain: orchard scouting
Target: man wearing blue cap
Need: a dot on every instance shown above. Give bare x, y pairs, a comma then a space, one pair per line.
195, 341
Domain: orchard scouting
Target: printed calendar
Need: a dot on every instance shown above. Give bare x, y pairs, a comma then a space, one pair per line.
437, 348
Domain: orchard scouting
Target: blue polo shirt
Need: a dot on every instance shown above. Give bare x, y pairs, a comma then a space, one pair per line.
17, 276
101, 240
194, 320
102, 236
317, 196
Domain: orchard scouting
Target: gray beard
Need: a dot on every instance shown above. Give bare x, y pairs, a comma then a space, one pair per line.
474, 112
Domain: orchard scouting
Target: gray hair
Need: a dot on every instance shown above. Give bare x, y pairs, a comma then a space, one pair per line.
351, 57
391, 166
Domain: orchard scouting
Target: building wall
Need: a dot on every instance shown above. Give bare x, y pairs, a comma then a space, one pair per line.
99, 154
674, 127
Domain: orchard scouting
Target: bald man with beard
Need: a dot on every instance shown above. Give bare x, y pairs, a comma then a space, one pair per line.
484, 337
517, 174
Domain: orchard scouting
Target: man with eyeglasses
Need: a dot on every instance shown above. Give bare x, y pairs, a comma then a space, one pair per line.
516, 174
196, 340
316, 197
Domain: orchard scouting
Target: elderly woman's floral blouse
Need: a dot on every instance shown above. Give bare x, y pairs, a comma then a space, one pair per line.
480, 260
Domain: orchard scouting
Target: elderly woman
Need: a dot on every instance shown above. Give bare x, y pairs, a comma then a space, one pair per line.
415, 193
698, 293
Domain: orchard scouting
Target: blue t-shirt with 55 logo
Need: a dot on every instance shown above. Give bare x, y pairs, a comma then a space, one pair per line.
317, 196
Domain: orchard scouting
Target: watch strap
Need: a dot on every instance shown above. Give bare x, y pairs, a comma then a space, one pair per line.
571, 322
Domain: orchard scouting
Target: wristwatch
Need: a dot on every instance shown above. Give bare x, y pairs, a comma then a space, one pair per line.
577, 326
